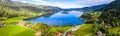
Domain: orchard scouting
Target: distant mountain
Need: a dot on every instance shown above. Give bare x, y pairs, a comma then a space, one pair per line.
51, 8
92, 8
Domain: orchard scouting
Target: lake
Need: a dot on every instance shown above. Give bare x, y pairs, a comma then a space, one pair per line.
61, 18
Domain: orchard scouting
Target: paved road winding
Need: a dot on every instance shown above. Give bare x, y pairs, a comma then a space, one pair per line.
72, 29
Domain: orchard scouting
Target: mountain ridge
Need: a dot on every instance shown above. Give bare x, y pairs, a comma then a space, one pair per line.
115, 5
91, 8
33, 7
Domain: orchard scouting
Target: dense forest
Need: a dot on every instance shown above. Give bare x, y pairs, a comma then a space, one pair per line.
108, 22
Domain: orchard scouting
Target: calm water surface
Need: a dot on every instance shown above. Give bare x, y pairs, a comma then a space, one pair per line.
61, 18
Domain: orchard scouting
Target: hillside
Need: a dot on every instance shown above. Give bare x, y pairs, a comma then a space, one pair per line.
30, 7
91, 8
11, 9
107, 23
115, 5
13, 17
111, 13
111, 18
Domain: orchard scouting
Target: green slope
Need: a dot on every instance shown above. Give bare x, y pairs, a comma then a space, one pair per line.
15, 30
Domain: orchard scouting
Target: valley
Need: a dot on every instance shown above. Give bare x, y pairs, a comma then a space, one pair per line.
28, 19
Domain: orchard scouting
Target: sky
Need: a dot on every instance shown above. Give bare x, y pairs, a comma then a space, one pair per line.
67, 3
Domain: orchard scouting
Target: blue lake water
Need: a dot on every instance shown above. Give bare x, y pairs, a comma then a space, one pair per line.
61, 19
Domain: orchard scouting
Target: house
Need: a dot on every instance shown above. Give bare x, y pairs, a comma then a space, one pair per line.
59, 34
2, 25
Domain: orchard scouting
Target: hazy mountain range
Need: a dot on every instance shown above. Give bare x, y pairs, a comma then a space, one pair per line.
37, 8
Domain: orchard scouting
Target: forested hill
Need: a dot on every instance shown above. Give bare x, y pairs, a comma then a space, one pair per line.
108, 22
115, 5
111, 14
35, 8
90, 8
9, 9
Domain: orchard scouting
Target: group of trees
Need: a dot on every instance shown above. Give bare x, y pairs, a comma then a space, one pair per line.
9, 13
109, 20
6, 12
106, 22
90, 17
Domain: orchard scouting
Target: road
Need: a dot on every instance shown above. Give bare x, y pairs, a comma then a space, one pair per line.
72, 29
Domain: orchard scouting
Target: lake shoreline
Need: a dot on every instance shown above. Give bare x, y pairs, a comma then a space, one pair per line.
60, 18
30, 18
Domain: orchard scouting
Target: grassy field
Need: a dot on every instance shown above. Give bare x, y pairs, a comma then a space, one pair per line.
15, 19
115, 31
15, 30
84, 30
63, 29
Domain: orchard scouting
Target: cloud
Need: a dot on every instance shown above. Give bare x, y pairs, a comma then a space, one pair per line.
67, 3
93, 2
37, 2
41, 2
